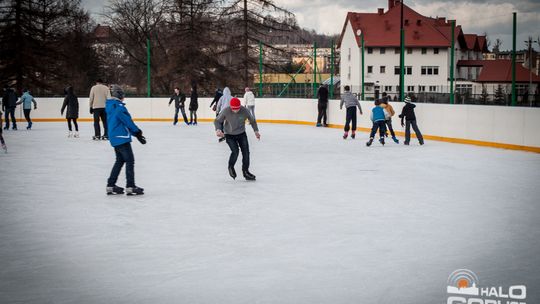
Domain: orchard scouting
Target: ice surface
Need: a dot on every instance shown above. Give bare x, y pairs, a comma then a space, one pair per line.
327, 221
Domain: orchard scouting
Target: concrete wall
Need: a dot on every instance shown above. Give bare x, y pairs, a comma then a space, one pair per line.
456, 123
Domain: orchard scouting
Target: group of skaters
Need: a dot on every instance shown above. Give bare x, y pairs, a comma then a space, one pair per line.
10, 101
179, 99
381, 117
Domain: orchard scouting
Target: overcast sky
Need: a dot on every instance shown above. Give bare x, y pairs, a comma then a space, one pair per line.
475, 16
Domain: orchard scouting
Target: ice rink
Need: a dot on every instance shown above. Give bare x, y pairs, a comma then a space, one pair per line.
327, 221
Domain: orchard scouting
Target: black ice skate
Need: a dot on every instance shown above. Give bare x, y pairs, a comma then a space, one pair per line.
232, 172
104, 137
381, 141
249, 176
369, 142
96, 138
134, 191
114, 190
353, 135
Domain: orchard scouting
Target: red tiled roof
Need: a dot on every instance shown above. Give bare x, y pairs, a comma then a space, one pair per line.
381, 29
482, 42
472, 42
499, 70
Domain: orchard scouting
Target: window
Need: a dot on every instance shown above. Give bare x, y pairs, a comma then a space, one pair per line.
382, 69
370, 69
409, 50
432, 88
397, 50
408, 70
464, 88
410, 88
388, 88
429, 70
383, 50
435, 51
424, 51
421, 88
369, 50
349, 56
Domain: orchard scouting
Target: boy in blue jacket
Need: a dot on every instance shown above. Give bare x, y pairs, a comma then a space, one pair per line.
378, 116
121, 127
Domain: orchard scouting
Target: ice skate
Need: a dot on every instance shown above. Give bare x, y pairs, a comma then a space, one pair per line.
345, 135
114, 190
318, 125
105, 137
70, 134
232, 172
14, 128
353, 135
134, 191
395, 140
369, 142
421, 142
248, 175
76, 134
4, 147
96, 138
381, 141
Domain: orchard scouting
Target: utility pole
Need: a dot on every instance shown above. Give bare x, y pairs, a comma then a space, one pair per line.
401, 56
514, 96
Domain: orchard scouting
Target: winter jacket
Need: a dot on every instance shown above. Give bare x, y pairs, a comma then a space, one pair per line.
179, 100
349, 100
98, 95
249, 99
322, 95
9, 99
235, 123
216, 98
378, 114
408, 112
225, 100
390, 110
194, 102
27, 100
71, 102
119, 122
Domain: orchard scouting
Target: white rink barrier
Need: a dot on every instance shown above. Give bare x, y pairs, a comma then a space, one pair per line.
496, 126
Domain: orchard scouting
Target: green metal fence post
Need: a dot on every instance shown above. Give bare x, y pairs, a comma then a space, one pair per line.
514, 97
452, 64
332, 70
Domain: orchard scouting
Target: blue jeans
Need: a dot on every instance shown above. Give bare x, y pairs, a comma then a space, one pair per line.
183, 114
124, 155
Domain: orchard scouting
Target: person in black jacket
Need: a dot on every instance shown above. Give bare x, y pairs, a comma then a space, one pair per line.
217, 96
179, 103
410, 119
322, 105
71, 102
193, 106
9, 103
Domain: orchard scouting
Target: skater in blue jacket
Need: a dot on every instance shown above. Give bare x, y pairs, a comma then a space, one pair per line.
378, 116
121, 127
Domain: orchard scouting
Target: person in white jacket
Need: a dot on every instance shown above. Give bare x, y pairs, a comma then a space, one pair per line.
249, 101
224, 100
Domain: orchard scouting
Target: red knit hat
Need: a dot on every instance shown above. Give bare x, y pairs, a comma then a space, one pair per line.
235, 104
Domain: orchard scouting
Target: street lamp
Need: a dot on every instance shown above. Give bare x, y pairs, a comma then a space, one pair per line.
529, 45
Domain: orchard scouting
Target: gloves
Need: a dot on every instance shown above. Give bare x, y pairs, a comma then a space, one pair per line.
140, 137
91, 111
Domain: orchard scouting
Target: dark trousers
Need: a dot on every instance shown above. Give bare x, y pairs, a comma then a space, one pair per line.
124, 155
351, 117
408, 124
100, 114
27, 116
322, 112
1, 136
74, 120
191, 115
183, 110
10, 112
378, 125
389, 125
235, 141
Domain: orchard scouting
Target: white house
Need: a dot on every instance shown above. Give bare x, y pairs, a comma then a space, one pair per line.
427, 53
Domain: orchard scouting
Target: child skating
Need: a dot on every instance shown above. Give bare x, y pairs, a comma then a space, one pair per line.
351, 103
391, 113
232, 120
71, 102
410, 120
378, 117
121, 127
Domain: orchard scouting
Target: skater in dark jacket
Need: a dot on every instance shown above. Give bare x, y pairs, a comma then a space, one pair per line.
322, 105
71, 102
214, 102
179, 104
193, 106
378, 116
9, 103
351, 103
232, 120
410, 120
121, 127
